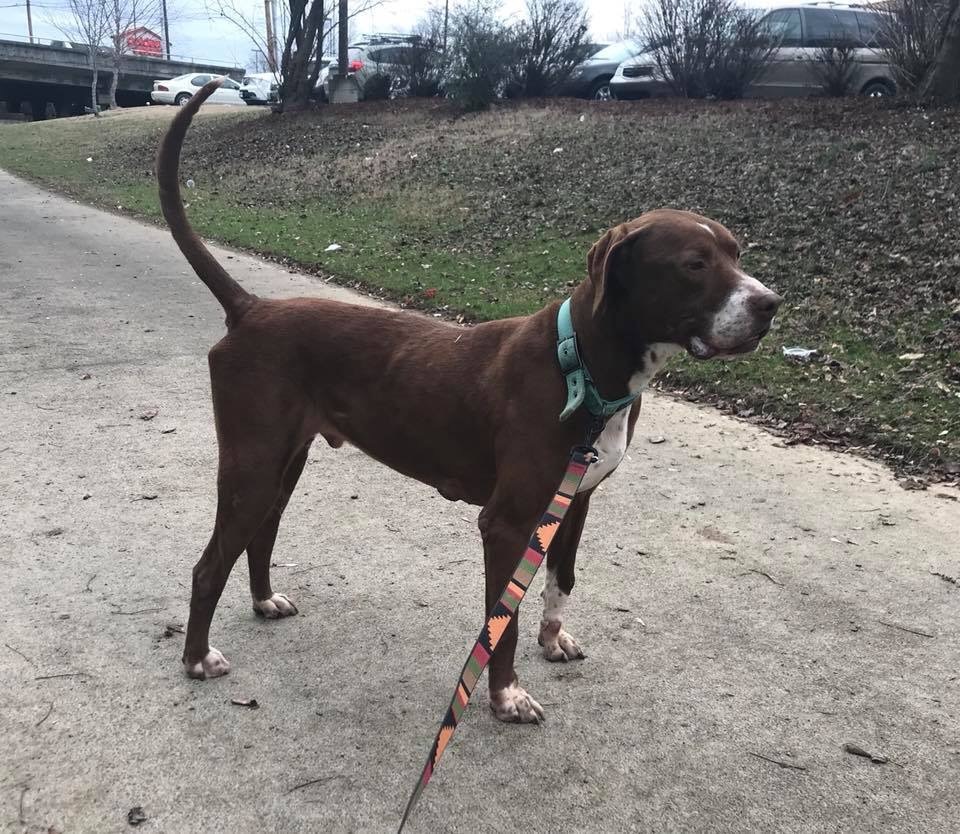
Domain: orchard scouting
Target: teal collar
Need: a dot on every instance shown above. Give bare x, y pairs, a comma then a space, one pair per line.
580, 387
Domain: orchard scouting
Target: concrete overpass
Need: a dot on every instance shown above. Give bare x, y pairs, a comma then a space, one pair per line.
53, 77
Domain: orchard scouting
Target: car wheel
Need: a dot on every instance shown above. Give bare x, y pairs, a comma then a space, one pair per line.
182, 99
877, 89
600, 91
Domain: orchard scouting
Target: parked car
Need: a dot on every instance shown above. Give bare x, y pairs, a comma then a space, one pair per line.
260, 88
591, 78
376, 63
801, 32
180, 90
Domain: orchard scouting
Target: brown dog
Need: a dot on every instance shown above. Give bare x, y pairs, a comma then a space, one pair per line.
472, 412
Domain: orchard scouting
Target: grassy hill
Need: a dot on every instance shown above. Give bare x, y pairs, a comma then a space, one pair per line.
848, 208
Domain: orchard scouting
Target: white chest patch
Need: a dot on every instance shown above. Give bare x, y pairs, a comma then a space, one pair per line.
656, 357
611, 446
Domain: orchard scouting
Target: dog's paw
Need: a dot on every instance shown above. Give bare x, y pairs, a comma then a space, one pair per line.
213, 665
558, 645
515, 706
274, 608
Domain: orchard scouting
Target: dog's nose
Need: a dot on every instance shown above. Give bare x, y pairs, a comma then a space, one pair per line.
766, 304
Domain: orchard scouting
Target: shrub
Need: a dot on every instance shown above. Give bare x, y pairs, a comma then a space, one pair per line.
378, 87
481, 57
836, 68
420, 69
911, 38
421, 65
706, 47
549, 44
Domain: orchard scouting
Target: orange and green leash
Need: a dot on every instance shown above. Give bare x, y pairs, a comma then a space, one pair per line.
580, 458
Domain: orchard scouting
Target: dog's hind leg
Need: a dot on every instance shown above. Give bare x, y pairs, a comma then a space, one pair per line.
265, 602
559, 645
249, 484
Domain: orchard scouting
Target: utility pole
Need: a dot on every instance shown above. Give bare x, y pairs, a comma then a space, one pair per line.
446, 18
271, 42
29, 22
343, 39
166, 30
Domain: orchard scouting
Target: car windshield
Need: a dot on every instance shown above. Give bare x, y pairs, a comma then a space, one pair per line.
617, 52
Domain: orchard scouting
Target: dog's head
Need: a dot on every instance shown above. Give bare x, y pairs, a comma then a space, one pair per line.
675, 277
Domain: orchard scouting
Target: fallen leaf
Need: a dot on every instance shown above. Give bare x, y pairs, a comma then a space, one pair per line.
854, 750
135, 816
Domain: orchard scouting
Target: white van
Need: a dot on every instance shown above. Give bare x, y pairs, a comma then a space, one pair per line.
260, 88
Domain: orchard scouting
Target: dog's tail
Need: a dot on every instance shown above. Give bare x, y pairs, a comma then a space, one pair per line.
232, 297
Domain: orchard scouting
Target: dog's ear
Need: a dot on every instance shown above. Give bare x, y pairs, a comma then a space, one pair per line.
603, 256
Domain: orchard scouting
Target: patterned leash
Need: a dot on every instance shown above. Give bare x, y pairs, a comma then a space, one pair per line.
580, 458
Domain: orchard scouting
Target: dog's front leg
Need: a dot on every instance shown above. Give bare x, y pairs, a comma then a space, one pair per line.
559, 645
504, 540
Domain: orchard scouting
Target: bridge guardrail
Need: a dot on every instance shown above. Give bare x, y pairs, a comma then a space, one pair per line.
82, 48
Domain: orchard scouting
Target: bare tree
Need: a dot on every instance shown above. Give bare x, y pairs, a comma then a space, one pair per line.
549, 44
911, 36
258, 62
835, 67
122, 17
249, 24
420, 64
943, 77
482, 55
309, 23
706, 47
87, 22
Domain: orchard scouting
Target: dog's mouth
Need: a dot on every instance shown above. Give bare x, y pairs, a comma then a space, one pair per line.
700, 349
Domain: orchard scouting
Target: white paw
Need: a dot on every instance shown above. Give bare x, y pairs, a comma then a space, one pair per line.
275, 607
558, 645
514, 705
213, 665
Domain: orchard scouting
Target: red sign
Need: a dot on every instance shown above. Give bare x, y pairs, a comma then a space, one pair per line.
143, 42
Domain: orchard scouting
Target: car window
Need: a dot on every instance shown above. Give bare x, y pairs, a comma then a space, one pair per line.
230, 84
618, 52
872, 29
825, 28
394, 55
199, 80
389, 55
783, 26
849, 28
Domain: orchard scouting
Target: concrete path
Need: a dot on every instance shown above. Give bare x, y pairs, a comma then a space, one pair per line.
747, 608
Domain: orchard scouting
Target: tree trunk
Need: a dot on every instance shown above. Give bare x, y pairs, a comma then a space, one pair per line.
298, 79
114, 81
93, 86
943, 78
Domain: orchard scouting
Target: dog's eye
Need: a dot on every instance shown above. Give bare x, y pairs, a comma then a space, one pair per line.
697, 264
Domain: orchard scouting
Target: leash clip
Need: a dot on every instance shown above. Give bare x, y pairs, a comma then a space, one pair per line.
588, 453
